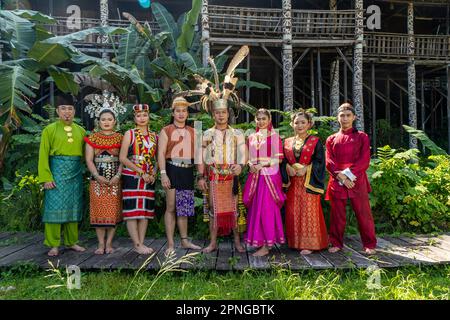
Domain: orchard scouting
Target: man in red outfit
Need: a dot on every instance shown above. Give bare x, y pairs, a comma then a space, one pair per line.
347, 159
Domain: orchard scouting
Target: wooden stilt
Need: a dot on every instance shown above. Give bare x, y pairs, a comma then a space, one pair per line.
374, 110
312, 85
319, 82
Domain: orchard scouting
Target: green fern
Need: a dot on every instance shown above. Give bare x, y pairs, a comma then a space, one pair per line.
385, 153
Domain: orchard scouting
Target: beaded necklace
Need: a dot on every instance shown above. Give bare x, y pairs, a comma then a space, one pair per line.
145, 152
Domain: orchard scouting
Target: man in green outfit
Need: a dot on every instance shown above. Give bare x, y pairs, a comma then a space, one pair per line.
60, 170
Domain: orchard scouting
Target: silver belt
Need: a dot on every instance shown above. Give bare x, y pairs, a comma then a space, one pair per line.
180, 164
106, 159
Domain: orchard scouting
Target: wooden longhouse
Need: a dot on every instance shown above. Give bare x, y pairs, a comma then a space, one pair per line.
390, 57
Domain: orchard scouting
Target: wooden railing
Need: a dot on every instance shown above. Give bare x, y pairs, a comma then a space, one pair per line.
395, 45
258, 22
240, 21
323, 24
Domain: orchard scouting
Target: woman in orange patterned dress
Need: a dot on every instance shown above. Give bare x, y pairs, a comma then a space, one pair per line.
102, 159
303, 171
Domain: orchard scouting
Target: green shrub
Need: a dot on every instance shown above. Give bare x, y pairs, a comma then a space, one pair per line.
408, 195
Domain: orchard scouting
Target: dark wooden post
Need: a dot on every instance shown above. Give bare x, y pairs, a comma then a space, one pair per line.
374, 110
422, 97
358, 64
334, 92
388, 100
312, 82
288, 73
345, 82
448, 106
319, 83
247, 89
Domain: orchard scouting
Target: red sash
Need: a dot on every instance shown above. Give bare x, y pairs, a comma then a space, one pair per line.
307, 151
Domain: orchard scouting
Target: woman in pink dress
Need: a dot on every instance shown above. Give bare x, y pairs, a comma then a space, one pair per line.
263, 192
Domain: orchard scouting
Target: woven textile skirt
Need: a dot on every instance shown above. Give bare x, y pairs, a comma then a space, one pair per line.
65, 202
138, 198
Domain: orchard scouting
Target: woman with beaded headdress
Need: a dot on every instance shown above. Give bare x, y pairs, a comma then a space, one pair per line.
138, 155
303, 172
176, 164
102, 160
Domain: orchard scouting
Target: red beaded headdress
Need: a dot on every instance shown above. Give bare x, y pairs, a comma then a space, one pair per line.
141, 108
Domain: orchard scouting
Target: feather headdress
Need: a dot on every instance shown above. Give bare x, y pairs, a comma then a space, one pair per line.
213, 96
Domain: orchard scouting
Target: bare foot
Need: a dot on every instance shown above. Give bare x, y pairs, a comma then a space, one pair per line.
169, 251
77, 248
109, 250
261, 252
334, 249
143, 249
53, 252
239, 247
100, 250
305, 252
210, 248
369, 251
148, 250
185, 244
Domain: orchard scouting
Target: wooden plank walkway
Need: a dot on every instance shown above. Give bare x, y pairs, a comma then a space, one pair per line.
19, 247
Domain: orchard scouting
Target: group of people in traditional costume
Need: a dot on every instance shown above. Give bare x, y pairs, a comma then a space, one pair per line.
124, 171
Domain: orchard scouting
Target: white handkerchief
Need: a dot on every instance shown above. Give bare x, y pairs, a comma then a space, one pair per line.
349, 174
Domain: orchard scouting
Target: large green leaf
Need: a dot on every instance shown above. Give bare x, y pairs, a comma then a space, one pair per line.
48, 54
42, 33
26, 63
35, 16
426, 141
56, 50
128, 48
81, 35
18, 31
251, 84
184, 41
16, 83
64, 80
165, 20
189, 61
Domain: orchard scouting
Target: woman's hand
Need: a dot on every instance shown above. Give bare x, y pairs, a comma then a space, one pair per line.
290, 171
102, 180
202, 185
165, 181
114, 181
301, 172
236, 169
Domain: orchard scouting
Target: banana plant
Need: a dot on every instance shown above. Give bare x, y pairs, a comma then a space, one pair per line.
30, 53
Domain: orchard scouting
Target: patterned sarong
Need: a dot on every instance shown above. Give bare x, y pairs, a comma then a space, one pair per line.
65, 202
184, 203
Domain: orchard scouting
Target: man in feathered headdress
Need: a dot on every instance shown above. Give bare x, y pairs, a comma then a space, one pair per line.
223, 155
